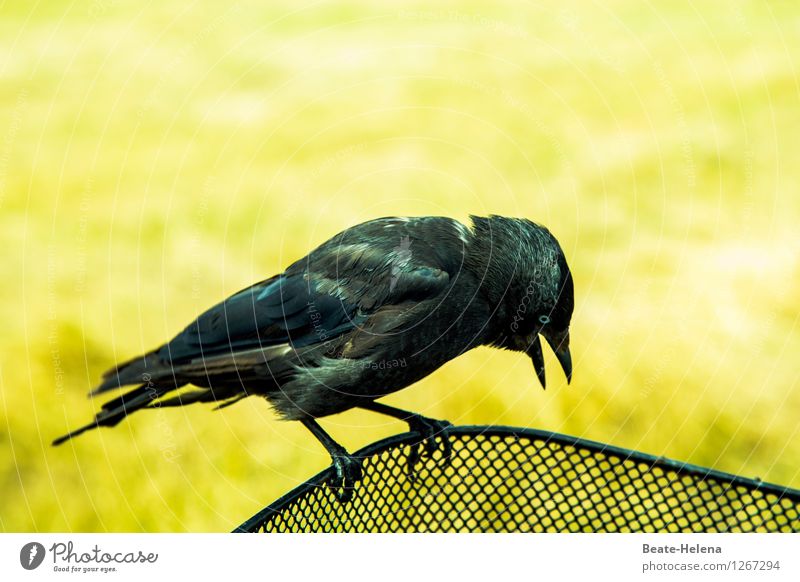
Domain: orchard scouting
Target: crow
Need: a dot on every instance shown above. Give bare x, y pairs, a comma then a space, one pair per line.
374, 309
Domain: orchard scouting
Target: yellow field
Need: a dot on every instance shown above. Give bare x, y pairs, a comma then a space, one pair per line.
154, 160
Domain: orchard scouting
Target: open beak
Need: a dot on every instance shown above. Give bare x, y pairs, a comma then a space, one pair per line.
560, 345
535, 353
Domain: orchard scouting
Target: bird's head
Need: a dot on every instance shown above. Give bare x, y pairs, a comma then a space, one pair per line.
525, 276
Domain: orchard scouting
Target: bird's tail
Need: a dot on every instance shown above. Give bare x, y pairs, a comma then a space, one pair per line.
146, 368
117, 409
155, 378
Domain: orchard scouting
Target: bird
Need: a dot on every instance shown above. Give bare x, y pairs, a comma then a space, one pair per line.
371, 311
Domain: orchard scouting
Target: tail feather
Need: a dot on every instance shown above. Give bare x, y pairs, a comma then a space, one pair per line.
187, 398
75, 433
145, 368
156, 377
221, 397
231, 400
115, 410
134, 400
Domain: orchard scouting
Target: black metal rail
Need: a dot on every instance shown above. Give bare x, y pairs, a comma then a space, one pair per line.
515, 479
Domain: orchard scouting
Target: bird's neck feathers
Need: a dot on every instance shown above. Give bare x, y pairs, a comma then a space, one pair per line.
517, 264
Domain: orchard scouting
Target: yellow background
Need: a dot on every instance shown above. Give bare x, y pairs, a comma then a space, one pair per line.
157, 157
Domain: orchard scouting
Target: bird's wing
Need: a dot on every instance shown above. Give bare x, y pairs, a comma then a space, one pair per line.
328, 293
369, 272
280, 310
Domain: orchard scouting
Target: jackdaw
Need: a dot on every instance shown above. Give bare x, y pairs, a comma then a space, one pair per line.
374, 309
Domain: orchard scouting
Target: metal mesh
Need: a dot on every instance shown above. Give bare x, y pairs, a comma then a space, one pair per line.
519, 480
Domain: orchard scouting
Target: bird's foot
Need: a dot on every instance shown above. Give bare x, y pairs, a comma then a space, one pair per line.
434, 434
347, 472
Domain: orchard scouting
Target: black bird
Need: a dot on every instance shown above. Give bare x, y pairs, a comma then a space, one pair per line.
369, 312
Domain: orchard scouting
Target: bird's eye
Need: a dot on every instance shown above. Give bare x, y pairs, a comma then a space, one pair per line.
544, 319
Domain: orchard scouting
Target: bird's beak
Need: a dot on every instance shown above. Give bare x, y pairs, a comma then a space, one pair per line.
535, 353
560, 345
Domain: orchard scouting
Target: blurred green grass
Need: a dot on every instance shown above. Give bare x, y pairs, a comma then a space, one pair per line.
156, 158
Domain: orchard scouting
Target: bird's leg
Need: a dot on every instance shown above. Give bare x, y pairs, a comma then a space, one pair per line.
347, 467
432, 432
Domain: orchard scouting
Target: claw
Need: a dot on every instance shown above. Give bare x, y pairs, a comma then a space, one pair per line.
348, 472
434, 436
447, 445
412, 460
